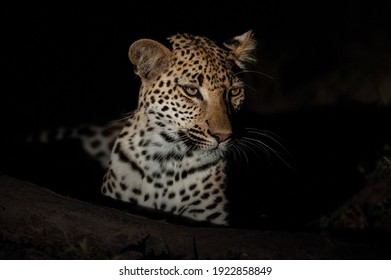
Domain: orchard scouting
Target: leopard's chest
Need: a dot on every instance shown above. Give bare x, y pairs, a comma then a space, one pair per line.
162, 174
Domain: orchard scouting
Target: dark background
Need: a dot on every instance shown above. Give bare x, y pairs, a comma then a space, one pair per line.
66, 63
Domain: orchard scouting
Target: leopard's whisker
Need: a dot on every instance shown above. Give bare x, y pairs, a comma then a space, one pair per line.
266, 148
250, 145
256, 72
238, 150
268, 134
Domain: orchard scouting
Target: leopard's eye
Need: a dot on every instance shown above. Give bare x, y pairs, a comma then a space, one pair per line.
235, 91
190, 90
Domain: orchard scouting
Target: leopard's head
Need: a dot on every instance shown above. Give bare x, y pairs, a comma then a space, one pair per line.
193, 89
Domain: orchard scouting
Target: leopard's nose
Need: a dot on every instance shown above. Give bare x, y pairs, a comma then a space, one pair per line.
221, 137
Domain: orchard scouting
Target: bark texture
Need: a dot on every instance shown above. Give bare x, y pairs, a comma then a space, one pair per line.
36, 223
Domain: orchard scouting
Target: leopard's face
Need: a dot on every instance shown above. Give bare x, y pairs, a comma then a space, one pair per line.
170, 155
196, 93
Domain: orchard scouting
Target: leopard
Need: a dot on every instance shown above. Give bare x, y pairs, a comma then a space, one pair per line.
170, 155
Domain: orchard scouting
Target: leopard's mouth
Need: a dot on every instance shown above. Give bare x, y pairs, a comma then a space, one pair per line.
193, 142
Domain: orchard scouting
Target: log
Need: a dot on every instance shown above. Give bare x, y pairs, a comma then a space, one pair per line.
36, 223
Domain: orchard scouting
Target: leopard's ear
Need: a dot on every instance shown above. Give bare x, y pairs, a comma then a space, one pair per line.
149, 57
242, 48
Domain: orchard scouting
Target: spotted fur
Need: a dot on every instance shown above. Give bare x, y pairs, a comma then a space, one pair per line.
170, 154
97, 140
